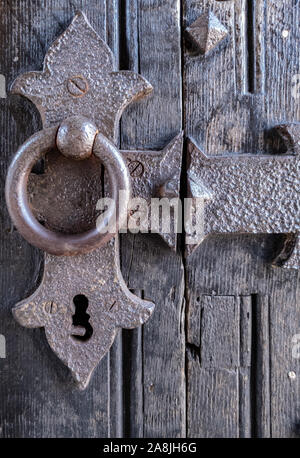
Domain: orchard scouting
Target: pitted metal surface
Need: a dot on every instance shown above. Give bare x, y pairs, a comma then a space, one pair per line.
79, 145
153, 174
95, 276
79, 79
159, 177
247, 194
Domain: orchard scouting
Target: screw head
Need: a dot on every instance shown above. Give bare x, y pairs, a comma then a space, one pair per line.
50, 307
136, 169
77, 86
75, 137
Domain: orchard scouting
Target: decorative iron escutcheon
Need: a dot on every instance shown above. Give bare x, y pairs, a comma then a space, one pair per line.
81, 97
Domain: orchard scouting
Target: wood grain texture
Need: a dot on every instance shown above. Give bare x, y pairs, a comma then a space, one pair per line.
268, 395
234, 97
233, 373
218, 366
231, 101
154, 50
51, 407
284, 368
37, 398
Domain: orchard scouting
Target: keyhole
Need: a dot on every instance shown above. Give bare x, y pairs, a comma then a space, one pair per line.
81, 318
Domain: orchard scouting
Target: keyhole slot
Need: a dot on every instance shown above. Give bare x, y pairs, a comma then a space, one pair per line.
81, 318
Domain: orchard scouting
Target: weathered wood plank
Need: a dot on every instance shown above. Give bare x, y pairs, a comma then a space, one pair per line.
150, 264
220, 113
154, 49
133, 377
245, 367
237, 266
282, 61
218, 368
261, 367
212, 410
36, 394
284, 367
234, 96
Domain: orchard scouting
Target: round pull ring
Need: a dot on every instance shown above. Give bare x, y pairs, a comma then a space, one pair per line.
77, 138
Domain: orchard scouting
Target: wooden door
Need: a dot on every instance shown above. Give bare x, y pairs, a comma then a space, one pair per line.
216, 358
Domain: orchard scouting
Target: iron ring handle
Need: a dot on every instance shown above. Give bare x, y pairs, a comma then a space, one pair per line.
77, 135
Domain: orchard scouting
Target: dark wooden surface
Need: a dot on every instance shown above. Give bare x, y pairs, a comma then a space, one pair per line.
215, 359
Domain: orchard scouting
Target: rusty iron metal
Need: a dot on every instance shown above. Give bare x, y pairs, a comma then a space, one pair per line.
160, 169
290, 135
79, 80
97, 277
77, 85
248, 194
80, 59
206, 33
75, 137
79, 138
136, 168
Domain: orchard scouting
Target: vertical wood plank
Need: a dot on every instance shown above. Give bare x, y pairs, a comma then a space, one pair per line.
232, 98
262, 367
238, 93
282, 61
218, 368
153, 47
212, 402
37, 398
245, 421
133, 373
221, 115
284, 364
238, 265
149, 264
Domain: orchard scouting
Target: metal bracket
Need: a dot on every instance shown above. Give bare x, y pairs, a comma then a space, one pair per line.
250, 194
79, 79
